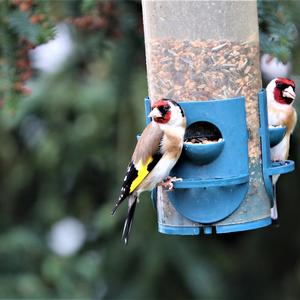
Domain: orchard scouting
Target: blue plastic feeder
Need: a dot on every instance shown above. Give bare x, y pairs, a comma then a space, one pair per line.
221, 190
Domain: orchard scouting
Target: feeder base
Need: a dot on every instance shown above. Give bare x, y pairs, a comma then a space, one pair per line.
219, 229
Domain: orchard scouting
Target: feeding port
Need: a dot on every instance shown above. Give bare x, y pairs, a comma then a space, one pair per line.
202, 133
203, 142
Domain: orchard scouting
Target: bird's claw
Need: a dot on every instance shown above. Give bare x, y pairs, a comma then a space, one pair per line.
167, 183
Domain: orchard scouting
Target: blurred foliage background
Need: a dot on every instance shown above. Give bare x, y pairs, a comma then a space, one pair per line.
65, 146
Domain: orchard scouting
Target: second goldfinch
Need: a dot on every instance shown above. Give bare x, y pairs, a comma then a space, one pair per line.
155, 154
281, 96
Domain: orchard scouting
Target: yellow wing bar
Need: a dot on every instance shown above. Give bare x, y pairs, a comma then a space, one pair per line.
142, 173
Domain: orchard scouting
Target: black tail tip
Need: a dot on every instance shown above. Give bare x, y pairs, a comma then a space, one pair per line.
114, 210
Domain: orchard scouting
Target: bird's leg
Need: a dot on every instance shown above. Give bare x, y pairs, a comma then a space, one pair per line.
167, 183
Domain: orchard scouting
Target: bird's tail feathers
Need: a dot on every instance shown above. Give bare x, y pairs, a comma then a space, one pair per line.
120, 200
128, 222
116, 206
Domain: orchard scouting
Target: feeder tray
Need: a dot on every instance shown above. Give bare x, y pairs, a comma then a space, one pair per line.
203, 142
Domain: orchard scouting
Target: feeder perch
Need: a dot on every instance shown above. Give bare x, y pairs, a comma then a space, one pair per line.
205, 55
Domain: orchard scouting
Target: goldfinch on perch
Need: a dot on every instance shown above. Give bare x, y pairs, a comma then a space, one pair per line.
155, 154
280, 96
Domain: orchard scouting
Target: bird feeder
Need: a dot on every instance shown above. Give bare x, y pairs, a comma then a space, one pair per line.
205, 55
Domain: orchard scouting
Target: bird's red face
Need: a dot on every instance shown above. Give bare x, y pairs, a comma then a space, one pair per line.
284, 91
161, 112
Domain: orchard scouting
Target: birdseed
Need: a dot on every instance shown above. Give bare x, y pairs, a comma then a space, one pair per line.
201, 140
197, 70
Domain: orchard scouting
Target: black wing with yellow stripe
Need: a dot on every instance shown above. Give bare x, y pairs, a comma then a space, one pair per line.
135, 174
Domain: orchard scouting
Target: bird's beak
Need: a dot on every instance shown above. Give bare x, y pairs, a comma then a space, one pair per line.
289, 93
155, 113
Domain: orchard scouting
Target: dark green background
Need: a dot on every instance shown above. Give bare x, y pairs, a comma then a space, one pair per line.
88, 115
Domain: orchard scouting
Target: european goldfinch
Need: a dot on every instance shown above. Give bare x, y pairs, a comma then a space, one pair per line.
280, 96
155, 154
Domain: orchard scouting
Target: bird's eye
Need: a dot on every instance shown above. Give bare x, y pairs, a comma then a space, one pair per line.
280, 85
164, 108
